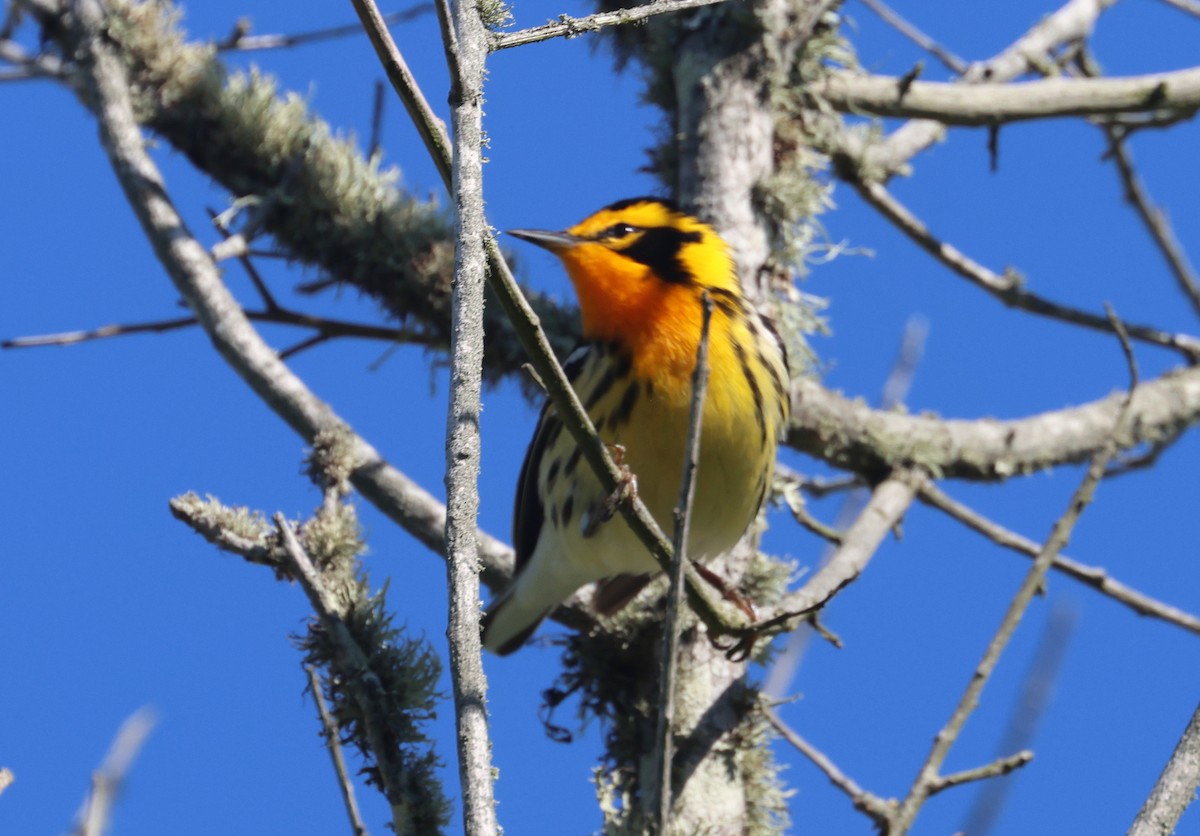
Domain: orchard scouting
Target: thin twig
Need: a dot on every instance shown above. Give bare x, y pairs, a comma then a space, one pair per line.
878, 809
889, 501
327, 329
329, 731
928, 776
256, 278
995, 769
239, 40
28, 66
1026, 714
468, 681
910, 31
669, 664
570, 27
431, 129
103, 332
354, 666
109, 778
1154, 218
816, 486
1093, 576
1069, 23
1007, 288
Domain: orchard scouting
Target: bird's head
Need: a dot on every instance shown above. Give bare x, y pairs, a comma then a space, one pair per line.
636, 260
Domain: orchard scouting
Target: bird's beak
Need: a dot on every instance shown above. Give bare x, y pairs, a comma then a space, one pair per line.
553, 241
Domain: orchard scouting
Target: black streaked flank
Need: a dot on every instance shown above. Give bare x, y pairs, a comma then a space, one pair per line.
572, 463
552, 474
755, 391
726, 302
767, 323
625, 408
567, 510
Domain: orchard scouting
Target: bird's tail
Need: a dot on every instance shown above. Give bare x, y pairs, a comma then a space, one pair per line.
538, 588
507, 624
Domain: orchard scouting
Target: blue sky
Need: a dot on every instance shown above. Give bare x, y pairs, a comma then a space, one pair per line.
109, 604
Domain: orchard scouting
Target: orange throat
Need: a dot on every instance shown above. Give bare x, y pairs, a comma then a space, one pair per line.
623, 302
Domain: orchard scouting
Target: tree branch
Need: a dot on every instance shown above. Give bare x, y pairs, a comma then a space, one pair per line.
878, 809
1071, 22
1154, 218
852, 436
951, 103
329, 731
240, 39
1175, 788
353, 665
475, 771
196, 278
928, 776
571, 27
1093, 576
1008, 288
883, 511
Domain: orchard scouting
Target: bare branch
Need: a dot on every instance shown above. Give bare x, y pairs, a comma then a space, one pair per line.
908, 30
1001, 766
196, 278
476, 775
571, 27
1175, 788
1154, 218
993, 104
1008, 288
431, 129
30, 66
103, 332
878, 809
1071, 22
1026, 713
240, 40
1093, 576
928, 775
354, 666
327, 329
887, 505
329, 731
853, 436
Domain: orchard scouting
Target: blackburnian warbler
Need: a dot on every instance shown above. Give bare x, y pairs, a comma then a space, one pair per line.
639, 268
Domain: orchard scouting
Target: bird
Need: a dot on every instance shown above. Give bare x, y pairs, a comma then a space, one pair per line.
640, 268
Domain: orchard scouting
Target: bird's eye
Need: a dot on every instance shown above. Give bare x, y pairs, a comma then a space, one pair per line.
618, 231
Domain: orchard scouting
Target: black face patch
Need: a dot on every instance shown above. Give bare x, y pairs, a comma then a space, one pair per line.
659, 248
